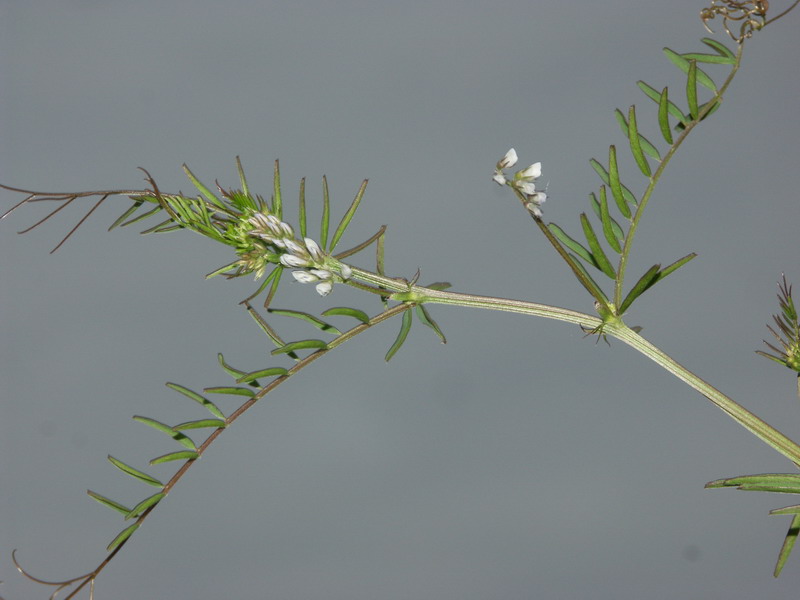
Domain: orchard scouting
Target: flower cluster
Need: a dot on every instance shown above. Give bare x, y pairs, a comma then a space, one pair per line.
789, 328
522, 182
311, 263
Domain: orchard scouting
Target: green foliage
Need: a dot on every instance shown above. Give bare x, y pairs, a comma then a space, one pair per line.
619, 237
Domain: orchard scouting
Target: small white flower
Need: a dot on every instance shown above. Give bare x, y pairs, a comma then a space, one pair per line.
287, 229
535, 202
509, 160
290, 260
314, 250
321, 273
304, 277
274, 225
324, 287
345, 271
534, 209
294, 247
499, 177
526, 187
531, 173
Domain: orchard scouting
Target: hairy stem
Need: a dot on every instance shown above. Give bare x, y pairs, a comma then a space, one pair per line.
616, 328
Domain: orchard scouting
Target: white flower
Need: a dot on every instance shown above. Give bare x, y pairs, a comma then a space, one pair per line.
314, 250
294, 247
287, 229
535, 202
499, 177
321, 273
509, 160
345, 271
531, 173
526, 187
290, 260
324, 287
534, 209
304, 277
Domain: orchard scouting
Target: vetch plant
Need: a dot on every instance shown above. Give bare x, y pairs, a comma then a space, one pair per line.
265, 245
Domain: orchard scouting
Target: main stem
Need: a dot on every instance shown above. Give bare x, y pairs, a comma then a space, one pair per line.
404, 291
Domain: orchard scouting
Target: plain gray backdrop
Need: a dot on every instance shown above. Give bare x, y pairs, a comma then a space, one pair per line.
518, 461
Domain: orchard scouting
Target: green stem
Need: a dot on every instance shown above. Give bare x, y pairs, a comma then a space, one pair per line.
413, 294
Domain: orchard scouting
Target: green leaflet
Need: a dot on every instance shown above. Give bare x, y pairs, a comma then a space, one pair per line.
200, 424
721, 48
676, 265
109, 503
597, 251
233, 391
784, 483
425, 317
141, 217
650, 278
611, 229
144, 505
302, 218
405, 327
243, 179
663, 117
179, 455
788, 545
636, 142
709, 58
645, 281
135, 473
210, 406
206, 193
131, 209
603, 174
301, 345
644, 143
572, 244
176, 435
691, 90
318, 323
325, 222
270, 372
615, 185
233, 372
277, 202
348, 216
595, 290
122, 536
672, 108
348, 312
163, 227
684, 65
265, 327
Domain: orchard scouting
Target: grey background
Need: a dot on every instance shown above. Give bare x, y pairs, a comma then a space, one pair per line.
518, 461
